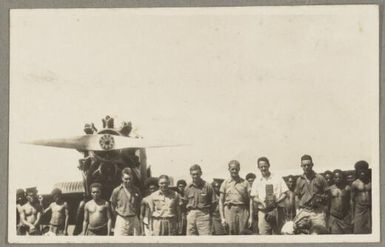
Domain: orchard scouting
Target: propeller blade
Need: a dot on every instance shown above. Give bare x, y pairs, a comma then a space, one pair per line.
100, 142
81, 143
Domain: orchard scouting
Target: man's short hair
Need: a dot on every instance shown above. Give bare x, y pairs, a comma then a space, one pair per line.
195, 167
32, 190
291, 177
263, 159
328, 172
127, 171
306, 157
151, 181
164, 177
20, 193
96, 185
235, 162
340, 172
250, 175
219, 182
56, 192
361, 165
181, 181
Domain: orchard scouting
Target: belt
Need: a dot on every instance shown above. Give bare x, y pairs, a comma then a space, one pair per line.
128, 216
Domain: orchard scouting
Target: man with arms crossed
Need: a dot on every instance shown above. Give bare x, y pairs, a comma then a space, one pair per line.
125, 203
234, 201
164, 205
267, 191
30, 213
200, 203
311, 189
97, 215
362, 199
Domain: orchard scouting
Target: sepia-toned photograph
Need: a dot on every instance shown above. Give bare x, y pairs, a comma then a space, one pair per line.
194, 125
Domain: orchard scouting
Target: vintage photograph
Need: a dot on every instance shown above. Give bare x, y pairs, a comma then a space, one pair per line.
206, 125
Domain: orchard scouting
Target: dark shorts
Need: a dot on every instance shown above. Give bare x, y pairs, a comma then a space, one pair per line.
97, 232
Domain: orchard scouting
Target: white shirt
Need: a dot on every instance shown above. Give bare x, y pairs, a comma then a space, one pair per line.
258, 189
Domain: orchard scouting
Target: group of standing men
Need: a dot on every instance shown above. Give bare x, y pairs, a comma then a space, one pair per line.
265, 205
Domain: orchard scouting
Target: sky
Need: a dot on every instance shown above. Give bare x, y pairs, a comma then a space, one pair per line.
233, 83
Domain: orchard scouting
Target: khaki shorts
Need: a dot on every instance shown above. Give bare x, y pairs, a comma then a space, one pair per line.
127, 226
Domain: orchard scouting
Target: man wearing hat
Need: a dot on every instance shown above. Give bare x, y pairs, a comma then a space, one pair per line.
30, 213
361, 199
311, 189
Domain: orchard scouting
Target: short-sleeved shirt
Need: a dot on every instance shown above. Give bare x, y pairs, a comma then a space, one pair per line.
200, 196
307, 188
258, 189
236, 192
164, 204
125, 202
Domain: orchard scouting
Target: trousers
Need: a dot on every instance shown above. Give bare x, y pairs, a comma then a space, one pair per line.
198, 222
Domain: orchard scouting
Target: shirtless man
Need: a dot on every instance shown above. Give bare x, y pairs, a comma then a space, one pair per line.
361, 199
30, 213
339, 205
328, 175
59, 218
288, 204
97, 214
20, 201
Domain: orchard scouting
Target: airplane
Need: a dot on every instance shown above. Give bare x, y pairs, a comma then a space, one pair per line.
106, 153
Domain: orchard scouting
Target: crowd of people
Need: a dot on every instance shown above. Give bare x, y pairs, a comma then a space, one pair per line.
268, 204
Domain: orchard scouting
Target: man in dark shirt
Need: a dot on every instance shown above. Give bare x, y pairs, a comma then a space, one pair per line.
311, 192
125, 203
200, 203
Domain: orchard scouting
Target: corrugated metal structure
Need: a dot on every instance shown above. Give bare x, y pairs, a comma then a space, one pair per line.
70, 187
